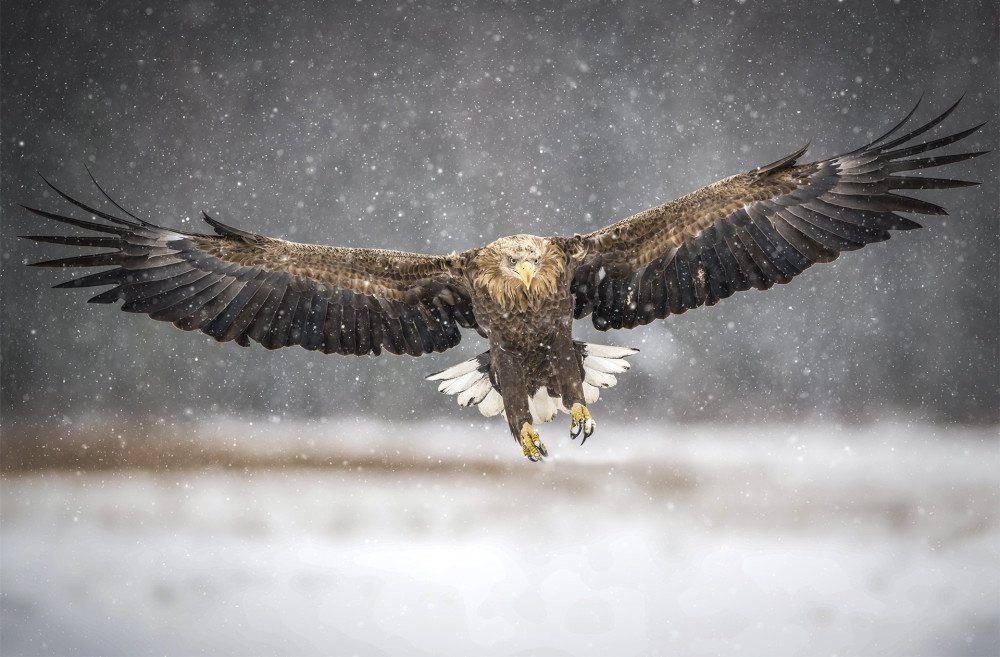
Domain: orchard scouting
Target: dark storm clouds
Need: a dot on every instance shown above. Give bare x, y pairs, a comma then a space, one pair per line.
436, 127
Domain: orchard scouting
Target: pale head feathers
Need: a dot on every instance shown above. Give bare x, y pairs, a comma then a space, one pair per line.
499, 271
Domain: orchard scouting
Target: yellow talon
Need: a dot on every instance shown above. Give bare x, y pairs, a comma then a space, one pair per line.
582, 422
530, 443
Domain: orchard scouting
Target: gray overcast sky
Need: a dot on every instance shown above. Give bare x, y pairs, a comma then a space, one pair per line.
436, 127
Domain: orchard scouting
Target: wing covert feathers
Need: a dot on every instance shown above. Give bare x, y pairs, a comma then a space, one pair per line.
244, 287
757, 229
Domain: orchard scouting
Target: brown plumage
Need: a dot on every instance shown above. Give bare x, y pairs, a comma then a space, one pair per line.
523, 292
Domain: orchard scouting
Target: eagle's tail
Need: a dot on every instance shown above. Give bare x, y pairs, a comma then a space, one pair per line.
472, 381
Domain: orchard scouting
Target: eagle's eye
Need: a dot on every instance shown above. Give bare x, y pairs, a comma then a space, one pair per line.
512, 260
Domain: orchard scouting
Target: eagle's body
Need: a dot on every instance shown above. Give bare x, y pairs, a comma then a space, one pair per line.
530, 328
520, 293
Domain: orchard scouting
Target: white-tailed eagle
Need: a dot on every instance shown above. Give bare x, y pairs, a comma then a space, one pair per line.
520, 293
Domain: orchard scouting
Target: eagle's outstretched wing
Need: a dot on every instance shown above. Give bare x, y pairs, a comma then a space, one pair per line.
755, 229
240, 286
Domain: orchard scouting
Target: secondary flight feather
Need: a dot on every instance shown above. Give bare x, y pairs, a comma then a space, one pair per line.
520, 293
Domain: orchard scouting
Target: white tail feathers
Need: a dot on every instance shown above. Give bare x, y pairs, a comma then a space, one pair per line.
606, 351
492, 404
475, 393
543, 407
470, 380
456, 371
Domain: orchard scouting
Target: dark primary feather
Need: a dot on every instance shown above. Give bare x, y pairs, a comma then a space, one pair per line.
244, 287
756, 229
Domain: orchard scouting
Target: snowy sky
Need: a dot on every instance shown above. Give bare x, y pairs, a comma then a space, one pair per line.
436, 127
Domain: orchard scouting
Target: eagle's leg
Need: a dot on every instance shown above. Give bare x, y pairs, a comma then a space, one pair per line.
582, 422
568, 367
532, 445
510, 377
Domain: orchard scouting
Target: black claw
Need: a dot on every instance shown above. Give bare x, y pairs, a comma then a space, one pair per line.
585, 436
588, 432
542, 450
575, 430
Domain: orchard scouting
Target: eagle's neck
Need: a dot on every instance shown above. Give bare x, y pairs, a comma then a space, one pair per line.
512, 297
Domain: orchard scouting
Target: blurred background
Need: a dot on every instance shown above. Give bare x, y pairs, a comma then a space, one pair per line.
808, 470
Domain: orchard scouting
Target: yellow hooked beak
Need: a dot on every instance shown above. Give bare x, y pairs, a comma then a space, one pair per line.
526, 270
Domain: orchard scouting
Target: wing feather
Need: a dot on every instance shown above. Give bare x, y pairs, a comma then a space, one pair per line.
757, 229
240, 286
279, 334
362, 330
313, 333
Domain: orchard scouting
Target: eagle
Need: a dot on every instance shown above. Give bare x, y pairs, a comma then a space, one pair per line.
519, 293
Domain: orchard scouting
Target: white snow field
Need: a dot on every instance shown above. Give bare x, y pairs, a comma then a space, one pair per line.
397, 539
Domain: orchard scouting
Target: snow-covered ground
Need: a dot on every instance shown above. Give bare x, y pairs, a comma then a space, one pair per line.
414, 540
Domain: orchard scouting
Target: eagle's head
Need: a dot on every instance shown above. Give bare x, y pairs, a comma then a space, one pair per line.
520, 271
